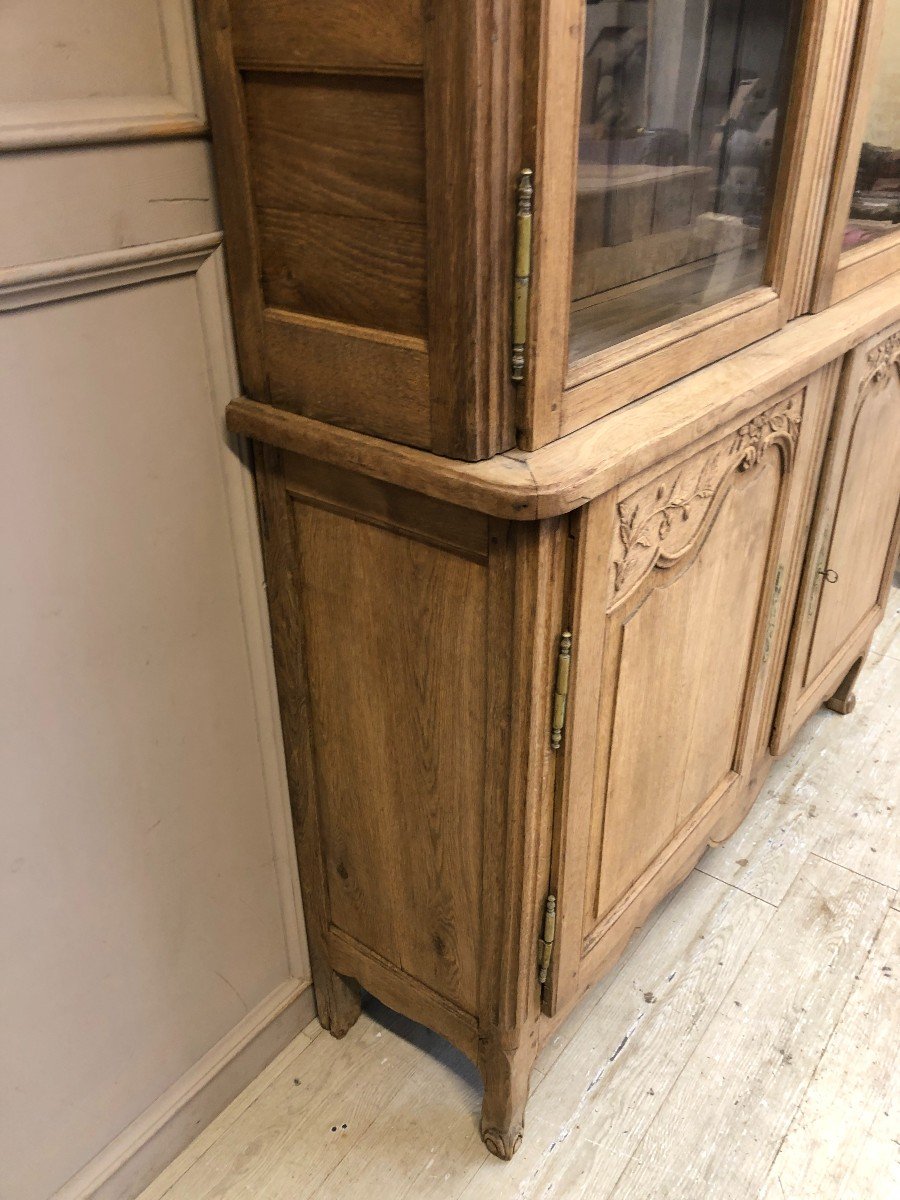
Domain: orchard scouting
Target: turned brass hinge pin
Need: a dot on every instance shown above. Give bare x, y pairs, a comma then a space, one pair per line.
545, 943
561, 694
522, 268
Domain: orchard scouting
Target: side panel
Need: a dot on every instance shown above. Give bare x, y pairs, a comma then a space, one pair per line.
853, 543
415, 644
365, 156
393, 619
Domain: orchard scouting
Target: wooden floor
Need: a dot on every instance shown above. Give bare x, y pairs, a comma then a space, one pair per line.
748, 1046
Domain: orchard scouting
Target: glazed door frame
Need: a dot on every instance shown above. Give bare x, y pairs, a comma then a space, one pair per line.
840, 275
558, 398
632, 545
812, 675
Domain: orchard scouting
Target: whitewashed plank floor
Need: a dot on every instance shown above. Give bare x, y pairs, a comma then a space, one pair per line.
746, 1048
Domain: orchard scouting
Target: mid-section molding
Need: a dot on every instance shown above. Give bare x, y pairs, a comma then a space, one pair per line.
666, 519
63, 278
569, 473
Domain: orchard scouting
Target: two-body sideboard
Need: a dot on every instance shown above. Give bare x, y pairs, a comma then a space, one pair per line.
570, 336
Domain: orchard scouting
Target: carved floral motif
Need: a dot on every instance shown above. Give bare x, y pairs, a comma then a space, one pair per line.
661, 522
880, 361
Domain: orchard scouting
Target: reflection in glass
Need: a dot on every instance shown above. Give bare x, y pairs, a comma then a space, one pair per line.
681, 112
875, 209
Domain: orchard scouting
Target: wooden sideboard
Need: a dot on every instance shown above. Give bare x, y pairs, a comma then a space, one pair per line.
578, 461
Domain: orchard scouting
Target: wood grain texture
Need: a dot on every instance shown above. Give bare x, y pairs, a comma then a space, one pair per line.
351, 269
348, 34
399, 805
345, 146
334, 372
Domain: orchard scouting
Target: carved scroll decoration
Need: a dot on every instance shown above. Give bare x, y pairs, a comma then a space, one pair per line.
663, 521
880, 362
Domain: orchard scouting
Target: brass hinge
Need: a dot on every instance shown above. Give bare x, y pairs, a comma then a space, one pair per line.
561, 693
545, 943
522, 281
773, 612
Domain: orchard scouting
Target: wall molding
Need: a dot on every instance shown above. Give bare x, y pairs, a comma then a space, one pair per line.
132, 1160
178, 112
66, 278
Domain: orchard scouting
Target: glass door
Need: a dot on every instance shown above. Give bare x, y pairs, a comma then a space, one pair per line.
862, 239
681, 114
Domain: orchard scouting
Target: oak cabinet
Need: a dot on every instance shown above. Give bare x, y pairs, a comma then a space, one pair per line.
853, 541
543, 321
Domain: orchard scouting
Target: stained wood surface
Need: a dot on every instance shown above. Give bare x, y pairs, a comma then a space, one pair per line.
691, 1070
587, 463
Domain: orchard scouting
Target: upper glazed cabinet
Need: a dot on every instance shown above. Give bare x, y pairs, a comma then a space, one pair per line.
466, 225
862, 235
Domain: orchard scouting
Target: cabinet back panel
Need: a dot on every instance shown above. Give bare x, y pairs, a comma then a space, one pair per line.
394, 636
328, 33
682, 676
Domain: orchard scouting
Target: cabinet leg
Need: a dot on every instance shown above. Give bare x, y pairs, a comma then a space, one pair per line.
506, 1074
844, 699
338, 1000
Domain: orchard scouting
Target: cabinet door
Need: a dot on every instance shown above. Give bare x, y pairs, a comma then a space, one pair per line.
680, 188
679, 631
853, 544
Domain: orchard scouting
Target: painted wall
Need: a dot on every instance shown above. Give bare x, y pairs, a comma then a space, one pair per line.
883, 126
150, 933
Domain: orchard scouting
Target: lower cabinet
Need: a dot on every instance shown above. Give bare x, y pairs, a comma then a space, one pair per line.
853, 542
507, 739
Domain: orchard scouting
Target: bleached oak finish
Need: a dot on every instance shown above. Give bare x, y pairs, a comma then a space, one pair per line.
606, 1088
416, 639
420, 602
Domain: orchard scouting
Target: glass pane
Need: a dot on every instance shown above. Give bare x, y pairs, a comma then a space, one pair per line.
681, 113
875, 209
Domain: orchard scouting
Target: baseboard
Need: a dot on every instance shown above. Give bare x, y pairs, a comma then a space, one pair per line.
132, 1160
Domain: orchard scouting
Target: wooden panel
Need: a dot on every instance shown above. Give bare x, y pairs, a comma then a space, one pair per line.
349, 268
350, 376
395, 639
337, 145
338, 178
854, 534
681, 679
328, 33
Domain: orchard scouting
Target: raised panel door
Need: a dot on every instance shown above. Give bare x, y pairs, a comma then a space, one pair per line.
679, 626
853, 543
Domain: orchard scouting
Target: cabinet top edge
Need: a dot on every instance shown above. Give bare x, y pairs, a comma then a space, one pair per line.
570, 472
